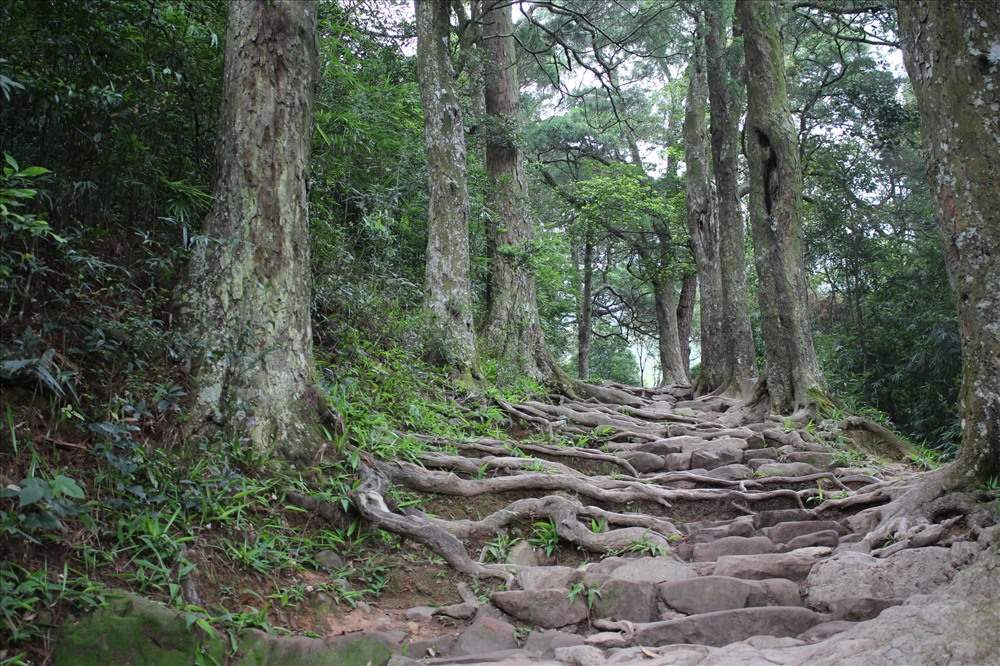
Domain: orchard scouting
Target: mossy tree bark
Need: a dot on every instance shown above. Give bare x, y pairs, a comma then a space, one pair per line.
246, 297
512, 328
952, 54
702, 221
792, 371
672, 367
585, 324
447, 291
685, 317
725, 88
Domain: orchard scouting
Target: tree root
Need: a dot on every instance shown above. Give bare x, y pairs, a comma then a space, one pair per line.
565, 514
499, 447
915, 509
369, 500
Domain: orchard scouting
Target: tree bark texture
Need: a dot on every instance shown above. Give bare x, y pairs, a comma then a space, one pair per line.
585, 324
775, 193
702, 222
671, 363
447, 290
952, 54
512, 328
725, 87
246, 299
685, 315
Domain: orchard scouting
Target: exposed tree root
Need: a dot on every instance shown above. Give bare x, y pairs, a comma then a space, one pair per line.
603, 489
915, 507
565, 515
499, 447
506, 463
369, 500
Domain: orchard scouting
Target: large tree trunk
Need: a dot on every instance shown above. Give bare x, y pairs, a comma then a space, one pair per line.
953, 59
775, 193
245, 302
585, 324
703, 224
685, 315
512, 327
725, 87
447, 292
671, 363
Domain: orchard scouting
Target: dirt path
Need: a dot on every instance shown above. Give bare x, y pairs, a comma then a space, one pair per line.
657, 528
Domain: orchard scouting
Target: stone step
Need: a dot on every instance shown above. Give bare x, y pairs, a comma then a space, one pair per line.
708, 594
728, 626
549, 609
732, 545
793, 565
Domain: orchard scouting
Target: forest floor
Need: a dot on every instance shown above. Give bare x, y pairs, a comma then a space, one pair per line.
649, 528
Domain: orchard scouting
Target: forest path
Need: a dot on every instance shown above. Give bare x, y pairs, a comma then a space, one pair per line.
654, 528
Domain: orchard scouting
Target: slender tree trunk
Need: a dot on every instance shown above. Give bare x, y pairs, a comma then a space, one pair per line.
703, 224
585, 326
685, 314
725, 86
512, 328
245, 301
671, 363
952, 55
447, 291
775, 193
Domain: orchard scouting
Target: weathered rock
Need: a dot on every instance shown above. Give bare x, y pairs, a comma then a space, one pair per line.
642, 461
677, 462
660, 447
523, 554
828, 538
734, 545
421, 614
786, 469
820, 459
823, 631
793, 565
707, 594
545, 643
548, 578
653, 570
760, 454
856, 586
775, 516
486, 634
625, 600
715, 457
329, 560
134, 630
549, 609
731, 472
580, 655
785, 532
711, 530
728, 626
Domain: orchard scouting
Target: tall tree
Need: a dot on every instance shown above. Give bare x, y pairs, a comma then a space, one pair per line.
512, 327
792, 371
702, 221
246, 299
952, 57
447, 291
725, 89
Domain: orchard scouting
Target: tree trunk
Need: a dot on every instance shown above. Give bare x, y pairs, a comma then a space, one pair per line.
245, 303
953, 59
671, 363
685, 313
512, 328
775, 193
725, 96
585, 327
703, 224
447, 291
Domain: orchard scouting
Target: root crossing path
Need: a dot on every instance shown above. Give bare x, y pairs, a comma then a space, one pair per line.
663, 529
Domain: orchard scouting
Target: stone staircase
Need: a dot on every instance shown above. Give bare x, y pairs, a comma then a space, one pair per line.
758, 555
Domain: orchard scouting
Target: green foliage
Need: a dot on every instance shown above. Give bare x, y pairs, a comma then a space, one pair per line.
42, 505
499, 546
545, 536
590, 593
